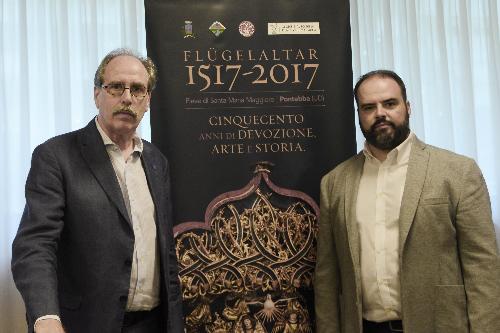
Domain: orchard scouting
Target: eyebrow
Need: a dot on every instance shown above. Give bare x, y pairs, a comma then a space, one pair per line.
383, 102
131, 84
365, 105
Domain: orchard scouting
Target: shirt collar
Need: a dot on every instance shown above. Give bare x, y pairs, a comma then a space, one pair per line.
400, 154
138, 146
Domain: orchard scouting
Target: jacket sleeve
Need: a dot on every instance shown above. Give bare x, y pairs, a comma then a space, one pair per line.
478, 252
34, 260
326, 277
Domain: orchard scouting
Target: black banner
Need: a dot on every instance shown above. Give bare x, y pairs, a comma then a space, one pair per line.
253, 105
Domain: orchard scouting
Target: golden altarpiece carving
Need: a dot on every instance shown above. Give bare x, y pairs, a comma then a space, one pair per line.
249, 266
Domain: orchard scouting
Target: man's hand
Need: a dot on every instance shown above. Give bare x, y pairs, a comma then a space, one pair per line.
49, 326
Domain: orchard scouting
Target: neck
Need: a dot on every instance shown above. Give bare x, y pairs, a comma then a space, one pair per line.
124, 141
380, 154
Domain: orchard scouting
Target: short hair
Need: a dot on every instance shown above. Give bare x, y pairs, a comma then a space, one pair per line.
146, 61
380, 73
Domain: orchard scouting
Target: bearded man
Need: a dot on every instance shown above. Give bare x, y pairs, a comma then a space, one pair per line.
406, 241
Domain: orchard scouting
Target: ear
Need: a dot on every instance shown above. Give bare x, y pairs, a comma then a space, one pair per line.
408, 107
97, 91
148, 102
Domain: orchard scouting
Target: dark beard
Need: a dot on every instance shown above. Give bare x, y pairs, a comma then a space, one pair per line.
384, 140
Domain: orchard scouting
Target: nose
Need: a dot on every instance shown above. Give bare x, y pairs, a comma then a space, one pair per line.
380, 111
126, 97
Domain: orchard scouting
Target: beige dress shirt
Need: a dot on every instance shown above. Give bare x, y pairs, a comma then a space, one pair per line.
377, 212
144, 292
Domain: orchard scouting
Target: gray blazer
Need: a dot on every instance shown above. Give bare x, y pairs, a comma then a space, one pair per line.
449, 262
73, 250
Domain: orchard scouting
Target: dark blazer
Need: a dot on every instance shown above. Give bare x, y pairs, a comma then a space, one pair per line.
73, 251
448, 256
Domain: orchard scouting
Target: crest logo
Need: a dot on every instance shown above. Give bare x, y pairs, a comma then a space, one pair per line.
217, 28
188, 29
246, 28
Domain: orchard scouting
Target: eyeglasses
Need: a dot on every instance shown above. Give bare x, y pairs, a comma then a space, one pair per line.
117, 89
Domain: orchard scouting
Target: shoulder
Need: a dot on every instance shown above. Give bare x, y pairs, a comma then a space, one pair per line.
345, 168
152, 153
59, 145
444, 158
70, 139
444, 167
151, 149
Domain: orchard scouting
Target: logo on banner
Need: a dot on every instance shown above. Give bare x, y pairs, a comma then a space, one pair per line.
217, 28
293, 28
188, 29
246, 28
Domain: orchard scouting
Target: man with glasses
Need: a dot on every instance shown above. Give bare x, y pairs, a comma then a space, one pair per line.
94, 251
406, 241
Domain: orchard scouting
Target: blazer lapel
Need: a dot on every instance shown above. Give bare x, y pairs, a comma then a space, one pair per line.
151, 170
351, 193
95, 154
415, 178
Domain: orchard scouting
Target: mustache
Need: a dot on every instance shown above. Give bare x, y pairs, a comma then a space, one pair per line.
382, 121
125, 110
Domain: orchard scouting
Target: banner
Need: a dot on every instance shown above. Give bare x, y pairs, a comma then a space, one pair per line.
253, 106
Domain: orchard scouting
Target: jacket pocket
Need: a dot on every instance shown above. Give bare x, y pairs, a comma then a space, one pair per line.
435, 201
451, 309
70, 302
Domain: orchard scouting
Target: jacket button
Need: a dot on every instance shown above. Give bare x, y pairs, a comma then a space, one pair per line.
123, 298
128, 262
